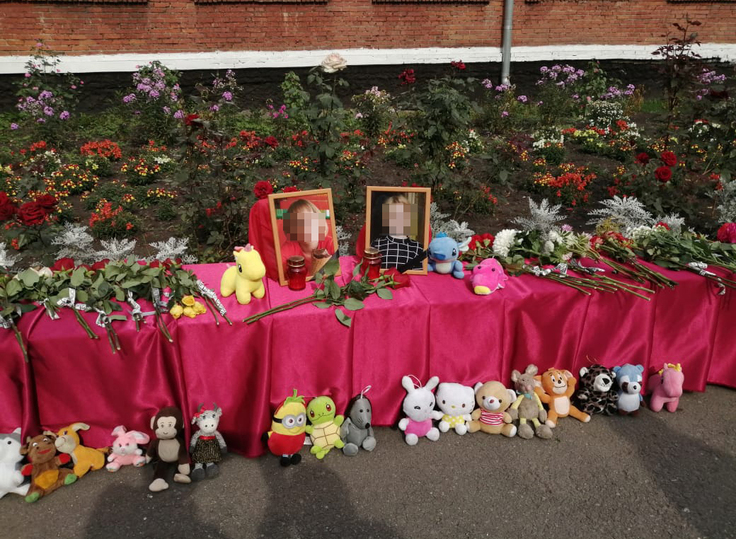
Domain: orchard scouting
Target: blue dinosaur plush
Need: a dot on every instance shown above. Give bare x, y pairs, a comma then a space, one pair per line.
629, 381
443, 252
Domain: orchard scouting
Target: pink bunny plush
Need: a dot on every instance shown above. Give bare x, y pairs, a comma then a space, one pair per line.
488, 276
125, 449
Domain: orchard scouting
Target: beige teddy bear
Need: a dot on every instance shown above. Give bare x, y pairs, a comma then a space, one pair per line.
491, 417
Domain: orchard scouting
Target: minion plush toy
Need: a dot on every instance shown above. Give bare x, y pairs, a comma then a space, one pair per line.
287, 434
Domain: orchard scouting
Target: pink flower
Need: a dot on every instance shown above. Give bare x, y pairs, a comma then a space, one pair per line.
28, 75
727, 233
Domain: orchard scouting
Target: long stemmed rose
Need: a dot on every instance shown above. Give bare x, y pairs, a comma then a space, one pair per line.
350, 296
15, 301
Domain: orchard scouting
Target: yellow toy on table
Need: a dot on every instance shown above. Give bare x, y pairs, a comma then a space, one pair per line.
246, 278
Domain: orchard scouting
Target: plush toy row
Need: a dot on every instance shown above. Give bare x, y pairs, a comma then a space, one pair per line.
602, 391
48, 453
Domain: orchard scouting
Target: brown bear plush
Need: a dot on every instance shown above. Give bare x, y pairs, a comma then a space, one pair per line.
491, 417
46, 476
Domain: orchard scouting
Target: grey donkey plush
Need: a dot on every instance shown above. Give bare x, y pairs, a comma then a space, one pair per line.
356, 431
528, 406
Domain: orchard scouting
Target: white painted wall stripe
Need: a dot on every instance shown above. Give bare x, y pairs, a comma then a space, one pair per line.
96, 63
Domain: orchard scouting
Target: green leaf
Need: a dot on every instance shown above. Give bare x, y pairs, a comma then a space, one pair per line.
118, 317
321, 304
357, 269
13, 287
384, 293
332, 267
344, 319
353, 304
29, 277
334, 290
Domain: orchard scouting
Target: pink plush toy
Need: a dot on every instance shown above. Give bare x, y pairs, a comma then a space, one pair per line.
487, 277
125, 449
666, 388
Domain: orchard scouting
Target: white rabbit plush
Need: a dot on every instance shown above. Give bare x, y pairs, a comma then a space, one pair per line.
419, 409
456, 402
11, 479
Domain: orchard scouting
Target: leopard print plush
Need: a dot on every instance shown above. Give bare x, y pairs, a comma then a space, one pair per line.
590, 399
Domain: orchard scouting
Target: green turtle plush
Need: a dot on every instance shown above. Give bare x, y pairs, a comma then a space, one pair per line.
324, 430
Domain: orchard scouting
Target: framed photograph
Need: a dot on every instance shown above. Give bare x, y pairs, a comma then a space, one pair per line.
303, 225
397, 224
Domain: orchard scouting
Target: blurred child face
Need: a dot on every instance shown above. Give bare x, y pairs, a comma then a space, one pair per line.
310, 227
396, 218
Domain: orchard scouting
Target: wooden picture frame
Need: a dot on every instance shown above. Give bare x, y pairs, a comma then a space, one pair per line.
278, 205
422, 196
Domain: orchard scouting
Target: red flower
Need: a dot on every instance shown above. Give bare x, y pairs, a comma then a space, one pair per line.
407, 77
727, 233
154, 264
271, 141
7, 207
400, 280
459, 65
668, 158
31, 214
290, 189
263, 189
63, 264
478, 241
190, 119
47, 202
663, 225
663, 174
642, 158
100, 265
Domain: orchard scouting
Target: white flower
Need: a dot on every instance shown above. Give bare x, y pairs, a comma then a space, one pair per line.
7, 260
548, 247
504, 241
334, 63
553, 236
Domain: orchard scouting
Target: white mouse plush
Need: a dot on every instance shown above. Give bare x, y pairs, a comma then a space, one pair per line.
419, 409
11, 479
456, 402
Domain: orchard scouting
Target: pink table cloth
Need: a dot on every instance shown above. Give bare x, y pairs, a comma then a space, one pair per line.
435, 327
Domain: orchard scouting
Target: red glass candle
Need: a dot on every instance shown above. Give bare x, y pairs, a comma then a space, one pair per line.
296, 273
372, 263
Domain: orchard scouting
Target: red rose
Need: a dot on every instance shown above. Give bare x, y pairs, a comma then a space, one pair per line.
63, 264
263, 189
668, 158
727, 233
459, 65
290, 189
7, 207
190, 119
407, 77
154, 264
642, 158
663, 174
474, 241
663, 225
271, 141
400, 280
100, 265
47, 202
31, 214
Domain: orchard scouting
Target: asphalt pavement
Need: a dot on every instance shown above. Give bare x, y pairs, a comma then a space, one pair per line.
651, 477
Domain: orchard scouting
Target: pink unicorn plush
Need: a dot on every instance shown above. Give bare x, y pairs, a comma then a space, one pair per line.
125, 449
666, 388
488, 276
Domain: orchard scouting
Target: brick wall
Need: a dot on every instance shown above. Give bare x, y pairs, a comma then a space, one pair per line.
185, 26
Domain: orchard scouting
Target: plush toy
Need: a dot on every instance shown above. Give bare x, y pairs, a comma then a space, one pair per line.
419, 409
356, 431
168, 448
443, 252
324, 430
628, 380
11, 480
596, 394
44, 468
487, 277
246, 278
207, 444
85, 458
287, 434
456, 402
125, 450
666, 388
491, 416
528, 405
554, 388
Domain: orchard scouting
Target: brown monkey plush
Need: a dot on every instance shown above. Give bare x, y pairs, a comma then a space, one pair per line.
44, 468
167, 448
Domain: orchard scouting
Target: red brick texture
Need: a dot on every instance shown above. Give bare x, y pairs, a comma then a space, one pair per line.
187, 26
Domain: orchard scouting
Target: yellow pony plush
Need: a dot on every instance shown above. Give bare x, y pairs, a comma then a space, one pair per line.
245, 279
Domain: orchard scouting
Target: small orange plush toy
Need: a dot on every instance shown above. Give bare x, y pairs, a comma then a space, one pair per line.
85, 458
555, 387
